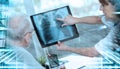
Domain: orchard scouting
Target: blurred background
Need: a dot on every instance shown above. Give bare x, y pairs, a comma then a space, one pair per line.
89, 34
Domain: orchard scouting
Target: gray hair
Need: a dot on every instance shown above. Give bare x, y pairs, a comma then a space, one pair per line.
18, 25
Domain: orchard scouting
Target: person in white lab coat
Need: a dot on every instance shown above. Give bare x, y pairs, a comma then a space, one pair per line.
108, 47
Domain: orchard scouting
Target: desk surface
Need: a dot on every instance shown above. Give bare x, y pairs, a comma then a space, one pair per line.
77, 61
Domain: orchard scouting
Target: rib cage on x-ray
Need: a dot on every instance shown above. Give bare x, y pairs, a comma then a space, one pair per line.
61, 14
49, 29
52, 30
45, 28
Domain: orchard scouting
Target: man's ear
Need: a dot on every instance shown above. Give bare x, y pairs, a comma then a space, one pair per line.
27, 37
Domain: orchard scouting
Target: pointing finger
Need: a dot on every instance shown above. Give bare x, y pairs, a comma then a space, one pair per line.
60, 19
64, 24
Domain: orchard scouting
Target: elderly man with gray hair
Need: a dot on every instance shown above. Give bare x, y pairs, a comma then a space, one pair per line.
18, 38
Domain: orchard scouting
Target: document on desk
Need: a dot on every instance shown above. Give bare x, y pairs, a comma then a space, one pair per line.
77, 61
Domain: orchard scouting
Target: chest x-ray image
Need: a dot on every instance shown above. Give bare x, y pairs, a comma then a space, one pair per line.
49, 29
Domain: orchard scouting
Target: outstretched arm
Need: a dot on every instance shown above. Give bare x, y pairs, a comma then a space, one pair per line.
70, 20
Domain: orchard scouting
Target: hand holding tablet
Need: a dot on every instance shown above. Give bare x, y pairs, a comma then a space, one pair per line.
48, 26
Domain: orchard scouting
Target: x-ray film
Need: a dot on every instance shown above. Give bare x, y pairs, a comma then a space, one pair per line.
49, 30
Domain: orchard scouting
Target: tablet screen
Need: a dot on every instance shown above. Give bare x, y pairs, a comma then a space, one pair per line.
49, 30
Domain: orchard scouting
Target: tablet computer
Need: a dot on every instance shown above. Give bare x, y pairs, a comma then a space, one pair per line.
49, 30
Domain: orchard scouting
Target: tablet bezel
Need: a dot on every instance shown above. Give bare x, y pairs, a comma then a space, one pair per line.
53, 43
